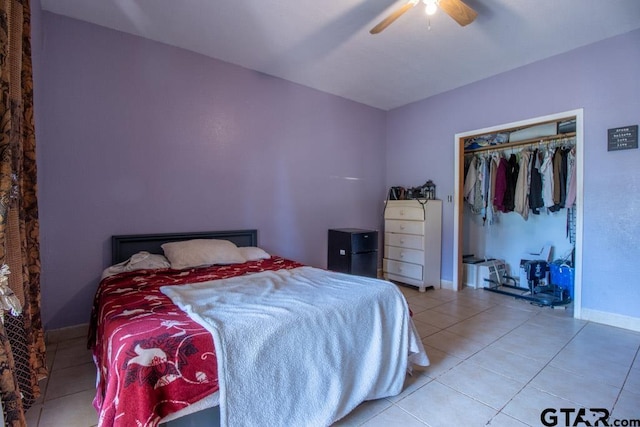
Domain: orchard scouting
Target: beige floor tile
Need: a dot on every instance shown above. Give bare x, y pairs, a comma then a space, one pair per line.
610, 337
441, 294
438, 405
558, 322
591, 366
541, 349
71, 380
502, 420
65, 334
77, 342
363, 413
521, 304
617, 352
394, 416
477, 330
502, 321
440, 362
453, 344
570, 386
43, 389
418, 305
508, 364
632, 383
622, 356
33, 414
481, 384
627, 407
533, 331
50, 353
72, 354
73, 410
425, 329
528, 405
458, 309
413, 382
440, 320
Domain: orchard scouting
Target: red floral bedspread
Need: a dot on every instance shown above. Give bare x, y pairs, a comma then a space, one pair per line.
152, 359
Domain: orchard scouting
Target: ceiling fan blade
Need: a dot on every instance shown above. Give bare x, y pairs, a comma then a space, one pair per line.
392, 17
460, 12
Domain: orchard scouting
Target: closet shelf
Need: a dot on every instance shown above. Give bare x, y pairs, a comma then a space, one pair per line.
532, 141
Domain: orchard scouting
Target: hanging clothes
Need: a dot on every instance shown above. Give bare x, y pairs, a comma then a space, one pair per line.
535, 184
470, 182
559, 184
559, 179
512, 178
527, 182
571, 184
494, 162
501, 185
546, 170
478, 201
521, 194
564, 178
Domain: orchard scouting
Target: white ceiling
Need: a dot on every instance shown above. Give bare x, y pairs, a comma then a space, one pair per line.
326, 45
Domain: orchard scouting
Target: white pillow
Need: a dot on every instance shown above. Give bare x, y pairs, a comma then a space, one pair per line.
140, 261
201, 252
252, 253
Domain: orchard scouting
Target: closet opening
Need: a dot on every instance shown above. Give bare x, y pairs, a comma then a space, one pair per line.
510, 234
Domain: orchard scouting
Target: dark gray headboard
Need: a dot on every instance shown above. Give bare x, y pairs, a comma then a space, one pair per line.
123, 246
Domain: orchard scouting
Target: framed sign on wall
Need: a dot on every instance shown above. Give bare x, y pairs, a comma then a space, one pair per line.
622, 138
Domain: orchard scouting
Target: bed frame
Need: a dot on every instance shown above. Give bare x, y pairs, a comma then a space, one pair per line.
123, 246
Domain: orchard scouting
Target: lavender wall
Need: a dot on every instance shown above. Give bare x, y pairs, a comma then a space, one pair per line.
140, 137
136, 137
603, 79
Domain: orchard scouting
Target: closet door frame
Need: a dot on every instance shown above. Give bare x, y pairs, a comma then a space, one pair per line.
459, 185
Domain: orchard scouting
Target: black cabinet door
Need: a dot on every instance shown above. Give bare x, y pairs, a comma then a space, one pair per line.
364, 241
365, 264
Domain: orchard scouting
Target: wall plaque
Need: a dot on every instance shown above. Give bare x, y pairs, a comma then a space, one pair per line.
623, 138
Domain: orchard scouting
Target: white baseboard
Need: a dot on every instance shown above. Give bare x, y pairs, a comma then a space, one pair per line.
447, 284
611, 319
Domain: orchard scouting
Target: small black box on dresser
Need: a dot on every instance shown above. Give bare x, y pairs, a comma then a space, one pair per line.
353, 251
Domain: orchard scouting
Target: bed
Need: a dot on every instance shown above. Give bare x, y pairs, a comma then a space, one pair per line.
244, 341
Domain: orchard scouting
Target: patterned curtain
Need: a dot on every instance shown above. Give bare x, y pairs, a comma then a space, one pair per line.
22, 351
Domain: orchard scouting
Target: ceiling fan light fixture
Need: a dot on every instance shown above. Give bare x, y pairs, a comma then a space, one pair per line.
456, 9
431, 6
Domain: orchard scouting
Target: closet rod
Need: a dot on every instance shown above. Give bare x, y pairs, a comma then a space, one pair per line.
532, 141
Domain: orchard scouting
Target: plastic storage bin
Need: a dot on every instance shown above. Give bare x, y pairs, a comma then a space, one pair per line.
563, 276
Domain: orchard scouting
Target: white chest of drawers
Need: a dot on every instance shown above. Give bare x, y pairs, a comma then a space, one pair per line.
412, 242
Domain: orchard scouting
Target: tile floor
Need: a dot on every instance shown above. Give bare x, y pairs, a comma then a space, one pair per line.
495, 361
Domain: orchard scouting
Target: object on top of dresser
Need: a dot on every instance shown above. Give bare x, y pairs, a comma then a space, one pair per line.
397, 193
426, 191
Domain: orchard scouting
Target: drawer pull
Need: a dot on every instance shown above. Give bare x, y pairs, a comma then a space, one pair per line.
401, 226
402, 241
401, 254
401, 212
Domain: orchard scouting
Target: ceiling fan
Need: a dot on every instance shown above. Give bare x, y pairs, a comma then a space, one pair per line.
456, 9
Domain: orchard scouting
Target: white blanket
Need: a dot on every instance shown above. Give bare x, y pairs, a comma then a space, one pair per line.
302, 346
